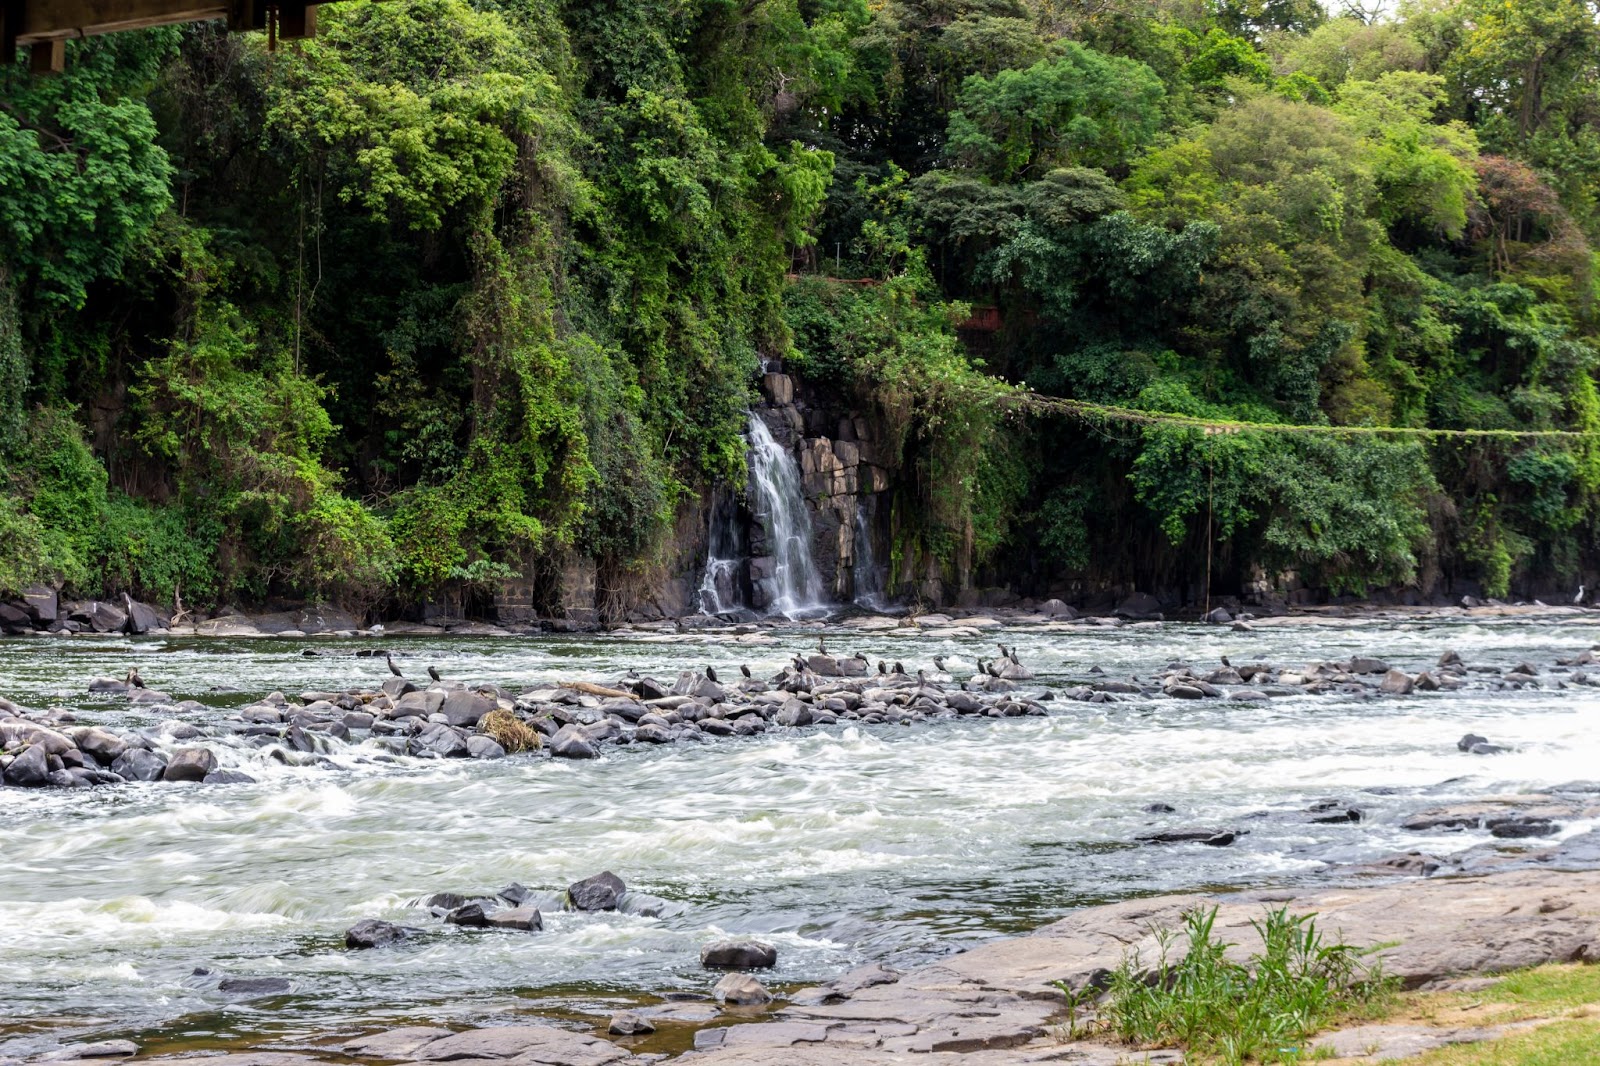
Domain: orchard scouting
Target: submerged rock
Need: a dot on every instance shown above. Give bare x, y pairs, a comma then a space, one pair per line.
374, 933
738, 955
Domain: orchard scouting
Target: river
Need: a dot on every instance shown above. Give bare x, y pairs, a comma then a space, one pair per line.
840, 844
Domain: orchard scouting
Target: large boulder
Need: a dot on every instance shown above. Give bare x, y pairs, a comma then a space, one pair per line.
524, 917
1058, 609
1396, 683
738, 955
137, 764
14, 618
31, 769
1365, 664
42, 604
601, 892
142, 618
99, 616
102, 745
1140, 605
462, 708
439, 741
190, 764
571, 742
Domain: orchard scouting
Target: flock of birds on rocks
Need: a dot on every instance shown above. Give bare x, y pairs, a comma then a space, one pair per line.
579, 719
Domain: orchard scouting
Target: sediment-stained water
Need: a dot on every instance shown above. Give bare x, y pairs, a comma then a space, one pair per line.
839, 845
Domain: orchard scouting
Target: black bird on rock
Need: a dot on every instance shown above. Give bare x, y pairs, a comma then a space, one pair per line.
745, 670
862, 657
133, 677
822, 647
899, 669
711, 675
882, 668
938, 663
433, 672
393, 669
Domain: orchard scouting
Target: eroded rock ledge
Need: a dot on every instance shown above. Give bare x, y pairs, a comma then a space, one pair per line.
997, 1003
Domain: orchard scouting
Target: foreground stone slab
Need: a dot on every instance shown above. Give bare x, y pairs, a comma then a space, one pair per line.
997, 1003
542, 1044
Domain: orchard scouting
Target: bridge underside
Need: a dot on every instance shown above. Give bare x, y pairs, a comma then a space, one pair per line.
44, 26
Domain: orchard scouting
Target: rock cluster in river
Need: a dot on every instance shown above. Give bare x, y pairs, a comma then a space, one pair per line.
580, 720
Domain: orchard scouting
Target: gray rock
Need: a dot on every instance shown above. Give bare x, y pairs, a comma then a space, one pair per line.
602, 892
463, 708
629, 1023
1396, 683
137, 764
524, 917
741, 989
793, 713
248, 987
571, 742
1363, 664
108, 684
1216, 838
142, 618
482, 747
470, 915
1140, 605
190, 764
374, 933
439, 740
228, 777
738, 955
1467, 742
530, 1045
104, 746
31, 769
1522, 828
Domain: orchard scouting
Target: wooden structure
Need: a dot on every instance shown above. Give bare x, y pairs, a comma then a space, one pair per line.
44, 26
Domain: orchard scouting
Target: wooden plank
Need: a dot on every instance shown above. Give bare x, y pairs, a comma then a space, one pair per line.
297, 21
47, 57
47, 20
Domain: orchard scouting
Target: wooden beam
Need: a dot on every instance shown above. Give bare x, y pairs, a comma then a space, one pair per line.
10, 20
52, 20
47, 57
297, 21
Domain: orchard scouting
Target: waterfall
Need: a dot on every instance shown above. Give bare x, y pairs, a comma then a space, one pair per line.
719, 585
791, 584
868, 578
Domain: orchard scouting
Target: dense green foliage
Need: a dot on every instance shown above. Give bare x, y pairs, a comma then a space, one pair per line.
462, 288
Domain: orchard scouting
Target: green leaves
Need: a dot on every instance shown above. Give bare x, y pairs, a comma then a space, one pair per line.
82, 179
1080, 108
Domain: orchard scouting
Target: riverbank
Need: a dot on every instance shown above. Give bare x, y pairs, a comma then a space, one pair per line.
1000, 1003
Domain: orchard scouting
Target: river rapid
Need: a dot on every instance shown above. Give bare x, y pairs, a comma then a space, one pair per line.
840, 845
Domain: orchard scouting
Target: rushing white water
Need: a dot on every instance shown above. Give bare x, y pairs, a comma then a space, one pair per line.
839, 845
719, 584
867, 575
794, 587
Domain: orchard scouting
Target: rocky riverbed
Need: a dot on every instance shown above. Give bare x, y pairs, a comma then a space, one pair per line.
903, 828
1002, 1004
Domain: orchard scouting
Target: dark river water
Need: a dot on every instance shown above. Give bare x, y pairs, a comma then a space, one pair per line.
839, 845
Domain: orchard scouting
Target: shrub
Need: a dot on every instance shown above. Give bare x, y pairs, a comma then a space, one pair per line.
1215, 1008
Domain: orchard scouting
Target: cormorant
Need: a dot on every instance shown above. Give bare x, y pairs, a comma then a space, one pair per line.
938, 663
711, 675
993, 671
882, 669
862, 657
433, 672
898, 668
922, 676
822, 648
745, 670
1225, 661
393, 669
133, 677
633, 675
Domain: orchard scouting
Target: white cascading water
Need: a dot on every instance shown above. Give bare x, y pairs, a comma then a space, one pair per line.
868, 578
778, 503
719, 588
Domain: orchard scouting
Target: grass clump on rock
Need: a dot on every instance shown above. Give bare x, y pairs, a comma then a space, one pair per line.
1263, 1009
510, 732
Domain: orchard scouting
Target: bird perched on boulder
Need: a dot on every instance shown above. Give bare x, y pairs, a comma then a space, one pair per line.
711, 675
133, 677
745, 670
393, 669
433, 672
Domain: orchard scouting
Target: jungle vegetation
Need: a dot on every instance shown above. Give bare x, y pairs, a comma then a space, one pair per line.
462, 287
